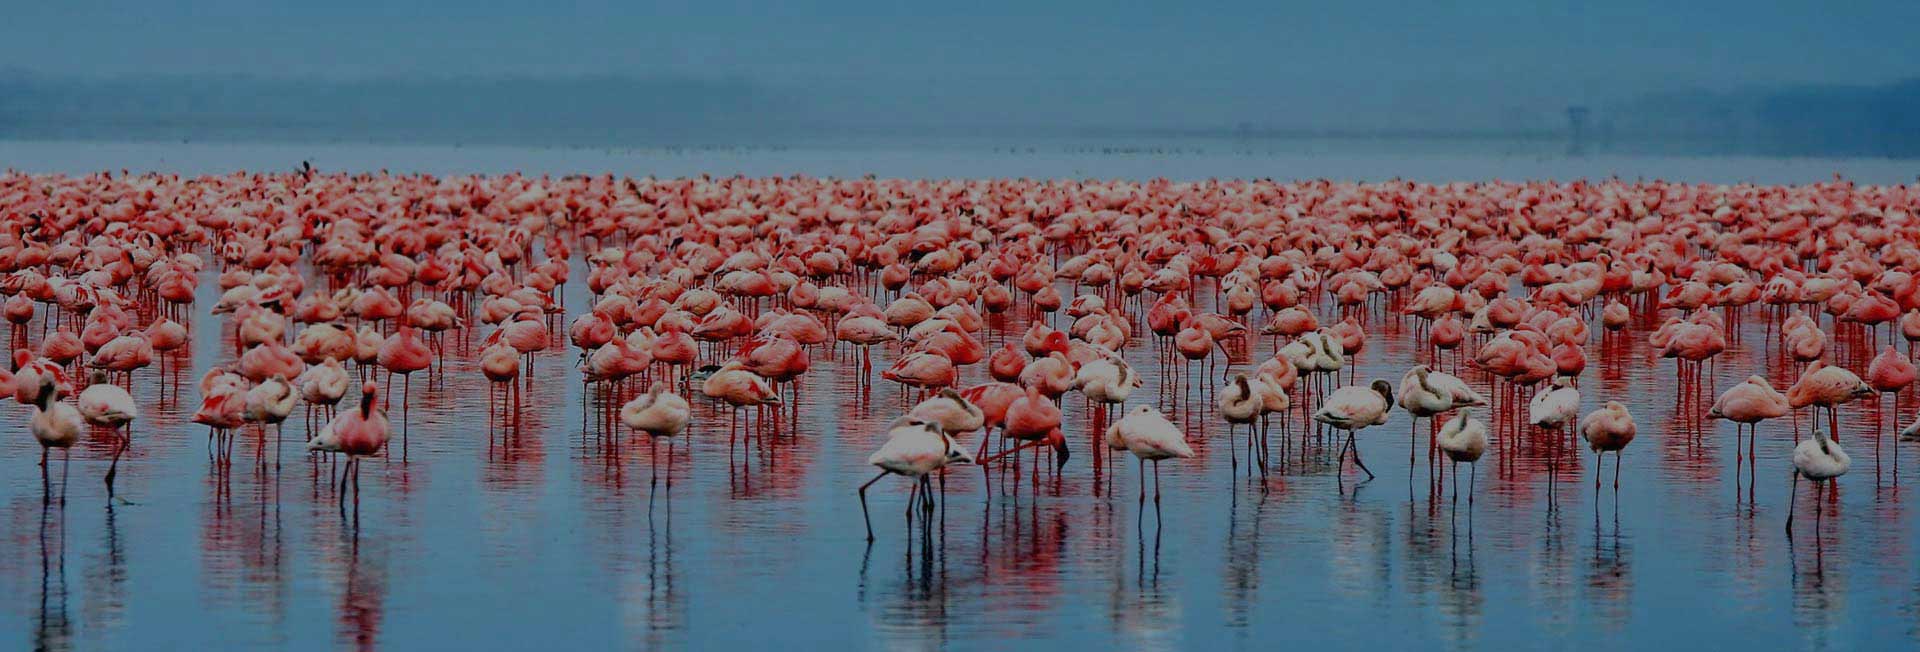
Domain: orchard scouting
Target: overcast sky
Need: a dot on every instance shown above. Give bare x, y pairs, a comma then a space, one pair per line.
997, 62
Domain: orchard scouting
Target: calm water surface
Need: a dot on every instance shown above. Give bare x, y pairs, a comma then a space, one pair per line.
551, 538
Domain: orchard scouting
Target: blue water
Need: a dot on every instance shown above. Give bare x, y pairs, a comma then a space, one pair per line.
551, 539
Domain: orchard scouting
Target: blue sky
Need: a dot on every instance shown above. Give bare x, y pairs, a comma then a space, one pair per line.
995, 62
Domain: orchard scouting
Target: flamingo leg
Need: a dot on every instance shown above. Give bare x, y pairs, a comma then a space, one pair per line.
1356, 455
114, 468
1790, 503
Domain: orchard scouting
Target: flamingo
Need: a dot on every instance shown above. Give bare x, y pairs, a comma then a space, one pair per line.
1354, 408
323, 384
733, 384
1464, 439
1147, 433
109, 406
913, 448
1428, 393
658, 413
1819, 459
1107, 381
1036, 421
1889, 373
1746, 405
1608, 429
1823, 386
404, 354
953, 412
270, 402
1242, 402
222, 408
358, 433
54, 425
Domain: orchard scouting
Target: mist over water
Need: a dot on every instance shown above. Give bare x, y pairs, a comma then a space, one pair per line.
1714, 77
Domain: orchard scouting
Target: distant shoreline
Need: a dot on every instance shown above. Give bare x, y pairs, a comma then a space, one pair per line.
1175, 159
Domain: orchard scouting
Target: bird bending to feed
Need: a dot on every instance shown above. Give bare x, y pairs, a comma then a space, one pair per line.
1354, 408
109, 406
913, 448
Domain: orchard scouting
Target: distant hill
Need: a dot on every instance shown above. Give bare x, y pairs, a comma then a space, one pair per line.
1846, 120
1817, 120
586, 110
1810, 120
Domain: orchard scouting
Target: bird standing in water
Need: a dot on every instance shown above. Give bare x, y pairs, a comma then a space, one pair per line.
1464, 439
359, 433
1148, 434
109, 406
55, 425
1821, 460
1354, 408
1608, 429
914, 448
659, 413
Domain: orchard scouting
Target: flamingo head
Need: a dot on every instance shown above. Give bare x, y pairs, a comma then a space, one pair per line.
1384, 388
366, 398
957, 454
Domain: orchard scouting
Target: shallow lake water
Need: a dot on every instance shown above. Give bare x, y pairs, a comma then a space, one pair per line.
552, 536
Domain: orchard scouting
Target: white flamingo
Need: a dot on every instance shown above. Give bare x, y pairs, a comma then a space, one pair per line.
109, 406
913, 448
1148, 434
1354, 408
659, 413
55, 425
1820, 459
1464, 439
1242, 401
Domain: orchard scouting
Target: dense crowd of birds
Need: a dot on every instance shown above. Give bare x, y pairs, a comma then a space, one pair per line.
724, 289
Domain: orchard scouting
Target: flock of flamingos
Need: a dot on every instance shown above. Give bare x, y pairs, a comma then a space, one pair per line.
723, 290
